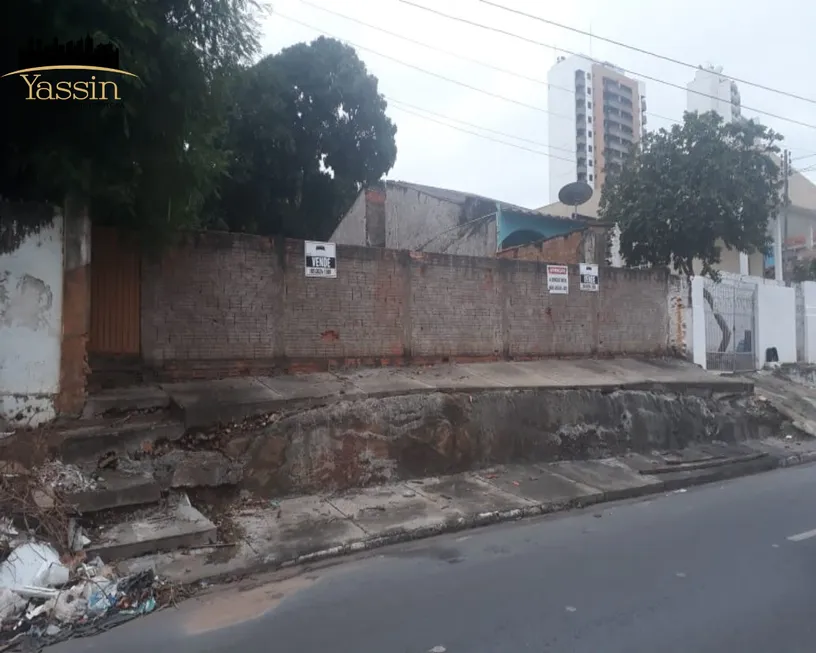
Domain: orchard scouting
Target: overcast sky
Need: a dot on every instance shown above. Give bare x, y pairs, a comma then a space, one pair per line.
754, 41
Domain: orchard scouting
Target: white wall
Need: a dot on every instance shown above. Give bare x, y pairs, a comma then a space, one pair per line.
776, 322
713, 84
562, 123
807, 330
31, 288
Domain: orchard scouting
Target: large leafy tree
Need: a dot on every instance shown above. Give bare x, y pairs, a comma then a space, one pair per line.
307, 132
684, 192
149, 160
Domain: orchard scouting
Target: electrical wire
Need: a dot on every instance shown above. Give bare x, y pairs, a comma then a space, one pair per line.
456, 55
484, 136
397, 103
451, 80
634, 48
632, 72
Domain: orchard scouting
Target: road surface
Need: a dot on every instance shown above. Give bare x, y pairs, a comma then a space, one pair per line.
729, 567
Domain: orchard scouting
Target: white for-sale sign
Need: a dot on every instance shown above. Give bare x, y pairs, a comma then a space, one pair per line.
558, 279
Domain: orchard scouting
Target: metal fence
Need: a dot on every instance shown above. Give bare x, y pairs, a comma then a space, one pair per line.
730, 320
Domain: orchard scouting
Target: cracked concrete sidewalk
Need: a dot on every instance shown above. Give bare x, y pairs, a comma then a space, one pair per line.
310, 528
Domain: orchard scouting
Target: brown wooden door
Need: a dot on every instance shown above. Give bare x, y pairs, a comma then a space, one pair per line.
115, 294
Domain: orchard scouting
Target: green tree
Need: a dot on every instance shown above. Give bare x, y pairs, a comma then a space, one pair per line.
683, 192
307, 132
146, 162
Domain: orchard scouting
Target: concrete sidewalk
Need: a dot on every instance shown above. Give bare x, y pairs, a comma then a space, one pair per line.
203, 403
274, 534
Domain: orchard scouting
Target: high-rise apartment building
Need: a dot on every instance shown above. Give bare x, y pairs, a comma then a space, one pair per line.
596, 115
711, 91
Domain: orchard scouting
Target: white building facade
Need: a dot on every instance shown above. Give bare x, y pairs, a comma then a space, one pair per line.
596, 115
710, 90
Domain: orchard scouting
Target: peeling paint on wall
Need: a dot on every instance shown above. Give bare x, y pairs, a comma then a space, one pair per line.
31, 290
26, 305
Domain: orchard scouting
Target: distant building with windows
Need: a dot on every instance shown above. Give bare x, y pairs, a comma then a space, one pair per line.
597, 113
710, 90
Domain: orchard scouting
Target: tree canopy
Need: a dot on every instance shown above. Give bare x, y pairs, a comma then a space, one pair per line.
149, 160
307, 132
202, 136
683, 193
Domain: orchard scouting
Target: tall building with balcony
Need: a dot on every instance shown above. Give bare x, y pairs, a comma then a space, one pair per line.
597, 113
711, 91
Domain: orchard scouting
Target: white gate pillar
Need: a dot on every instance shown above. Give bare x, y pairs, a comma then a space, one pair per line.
698, 323
809, 293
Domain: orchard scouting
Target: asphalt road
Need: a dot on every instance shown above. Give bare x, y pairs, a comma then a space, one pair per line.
710, 569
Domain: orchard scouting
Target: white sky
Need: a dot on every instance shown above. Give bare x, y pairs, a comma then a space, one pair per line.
755, 41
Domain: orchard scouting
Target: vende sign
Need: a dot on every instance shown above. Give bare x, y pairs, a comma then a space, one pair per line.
558, 279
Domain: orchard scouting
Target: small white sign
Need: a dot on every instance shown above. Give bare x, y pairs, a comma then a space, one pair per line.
558, 279
589, 277
321, 259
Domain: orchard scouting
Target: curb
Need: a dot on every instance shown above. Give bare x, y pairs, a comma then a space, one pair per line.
681, 479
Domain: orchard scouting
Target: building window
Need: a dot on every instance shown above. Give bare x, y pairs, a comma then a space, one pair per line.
589, 118
589, 76
589, 91
589, 133
589, 105
589, 147
590, 177
590, 163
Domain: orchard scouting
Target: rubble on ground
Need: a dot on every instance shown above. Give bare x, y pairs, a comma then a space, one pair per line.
49, 590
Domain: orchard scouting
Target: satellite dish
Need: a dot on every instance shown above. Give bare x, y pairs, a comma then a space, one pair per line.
575, 194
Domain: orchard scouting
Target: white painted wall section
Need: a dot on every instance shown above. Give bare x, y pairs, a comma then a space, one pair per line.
31, 281
776, 318
809, 296
698, 323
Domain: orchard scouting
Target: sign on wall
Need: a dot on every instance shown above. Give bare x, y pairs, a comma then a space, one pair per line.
321, 259
590, 280
558, 279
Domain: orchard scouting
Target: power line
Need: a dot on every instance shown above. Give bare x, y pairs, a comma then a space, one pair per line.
451, 53
641, 50
425, 70
470, 124
634, 73
488, 138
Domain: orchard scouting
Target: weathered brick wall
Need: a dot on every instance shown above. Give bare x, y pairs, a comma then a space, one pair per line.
584, 246
227, 304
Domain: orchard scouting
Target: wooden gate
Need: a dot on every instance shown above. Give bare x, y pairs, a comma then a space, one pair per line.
115, 294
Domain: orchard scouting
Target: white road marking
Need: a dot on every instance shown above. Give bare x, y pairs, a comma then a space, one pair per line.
775, 546
802, 536
680, 574
569, 608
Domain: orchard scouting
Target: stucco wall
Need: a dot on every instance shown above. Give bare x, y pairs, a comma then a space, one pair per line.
415, 220
31, 294
351, 230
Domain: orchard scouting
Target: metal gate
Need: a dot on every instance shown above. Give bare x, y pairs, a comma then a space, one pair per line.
115, 294
730, 320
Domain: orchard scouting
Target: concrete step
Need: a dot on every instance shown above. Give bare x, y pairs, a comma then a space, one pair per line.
125, 400
176, 525
116, 490
123, 436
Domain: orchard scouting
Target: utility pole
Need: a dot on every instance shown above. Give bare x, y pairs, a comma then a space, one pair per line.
781, 227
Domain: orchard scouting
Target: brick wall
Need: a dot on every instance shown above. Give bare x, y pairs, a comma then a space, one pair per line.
228, 304
587, 245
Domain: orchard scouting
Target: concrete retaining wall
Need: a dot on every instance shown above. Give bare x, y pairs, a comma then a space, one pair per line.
356, 443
